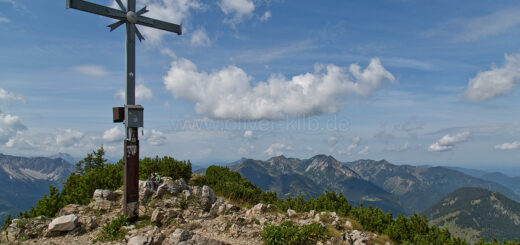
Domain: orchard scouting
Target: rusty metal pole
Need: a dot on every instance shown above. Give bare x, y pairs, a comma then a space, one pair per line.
131, 144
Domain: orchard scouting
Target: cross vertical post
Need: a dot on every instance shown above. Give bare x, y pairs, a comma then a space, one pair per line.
131, 114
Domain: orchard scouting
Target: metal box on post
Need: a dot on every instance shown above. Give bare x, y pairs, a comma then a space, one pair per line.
134, 116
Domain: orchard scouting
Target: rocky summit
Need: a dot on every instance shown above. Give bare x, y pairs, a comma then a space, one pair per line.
176, 213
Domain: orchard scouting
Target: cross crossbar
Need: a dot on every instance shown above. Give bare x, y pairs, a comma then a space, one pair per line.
96, 9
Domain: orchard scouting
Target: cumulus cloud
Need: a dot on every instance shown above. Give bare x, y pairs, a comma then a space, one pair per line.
174, 11
68, 137
4, 20
238, 9
496, 81
332, 140
363, 151
10, 125
200, 38
114, 134
354, 144
22, 142
227, 94
248, 134
447, 142
277, 149
508, 146
266, 16
157, 138
91, 70
6, 96
142, 93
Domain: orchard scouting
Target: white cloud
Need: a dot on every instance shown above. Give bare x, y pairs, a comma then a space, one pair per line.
200, 38
496, 81
363, 151
22, 142
508, 146
173, 11
68, 137
475, 28
7, 96
114, 134
354, 144
402, 148
4, 20
332, 140
10, 125
277, 149
447, 142
157, 138
266, 16
91, 70
248, 134
227, 94
142, 93
239, 9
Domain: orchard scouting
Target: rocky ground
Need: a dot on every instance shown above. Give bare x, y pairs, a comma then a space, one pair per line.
175, 214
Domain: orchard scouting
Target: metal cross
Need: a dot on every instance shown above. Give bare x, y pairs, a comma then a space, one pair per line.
132, 114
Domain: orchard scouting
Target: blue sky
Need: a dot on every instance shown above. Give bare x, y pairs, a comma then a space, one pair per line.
412, 82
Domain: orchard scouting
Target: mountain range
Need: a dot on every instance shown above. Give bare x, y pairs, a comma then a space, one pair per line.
399, 188
25, 179
474, 213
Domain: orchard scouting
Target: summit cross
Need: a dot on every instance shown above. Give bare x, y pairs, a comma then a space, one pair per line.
131, 114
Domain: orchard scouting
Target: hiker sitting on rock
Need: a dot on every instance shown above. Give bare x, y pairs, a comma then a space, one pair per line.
153, 181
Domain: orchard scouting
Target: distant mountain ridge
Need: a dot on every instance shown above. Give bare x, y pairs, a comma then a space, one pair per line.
400, 188
419, 187
25, 179
474, 213
312, 177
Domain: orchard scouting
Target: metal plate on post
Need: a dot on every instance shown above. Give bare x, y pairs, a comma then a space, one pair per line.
134, 116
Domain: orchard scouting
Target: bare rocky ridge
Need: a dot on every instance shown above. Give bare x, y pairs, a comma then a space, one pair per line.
175, 214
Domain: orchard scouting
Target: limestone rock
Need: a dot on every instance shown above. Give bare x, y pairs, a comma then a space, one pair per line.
88, 222
64, 223
157, 216
104, 195
182, 184
168, 188
207, 197
70, 209
291, 212
257, 209
100, 205
348, 225
145, 194
179, 235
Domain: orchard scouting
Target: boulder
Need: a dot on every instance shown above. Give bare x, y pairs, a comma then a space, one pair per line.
182, 184
291, 212
257, 209
180, 235
207, 197
348, 225
104, 195
88, 222
70, 209
64, 223
196, 191
157, 216
137, 240
101, 205
145, 194
168, 188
